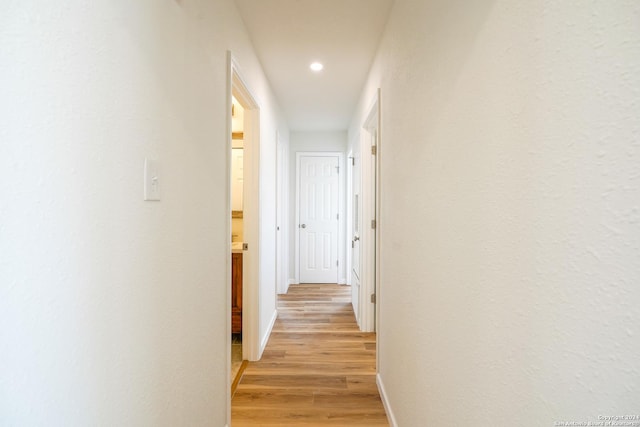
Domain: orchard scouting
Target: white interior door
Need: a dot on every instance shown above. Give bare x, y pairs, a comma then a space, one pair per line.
369, 227
318, 216
355, 238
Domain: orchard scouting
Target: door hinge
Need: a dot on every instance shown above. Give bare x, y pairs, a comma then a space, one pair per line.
353, 161
338, 170
336, 263
374, 149
338, 216
373, 298
373, 224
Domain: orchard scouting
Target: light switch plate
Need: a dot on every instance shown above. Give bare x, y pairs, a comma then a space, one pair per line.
151, 180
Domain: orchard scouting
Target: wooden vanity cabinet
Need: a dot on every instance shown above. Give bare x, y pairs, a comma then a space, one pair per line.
236, 293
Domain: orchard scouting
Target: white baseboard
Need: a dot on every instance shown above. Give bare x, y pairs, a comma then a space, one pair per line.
293, 282
385, 401
265, 338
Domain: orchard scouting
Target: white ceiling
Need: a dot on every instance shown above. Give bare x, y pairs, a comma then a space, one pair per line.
290, 34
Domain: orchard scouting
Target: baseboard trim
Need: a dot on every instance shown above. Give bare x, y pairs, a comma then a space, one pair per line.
293, 282
265, 338
385, 401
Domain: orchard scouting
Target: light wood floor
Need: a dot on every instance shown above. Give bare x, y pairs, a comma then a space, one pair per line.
318, 369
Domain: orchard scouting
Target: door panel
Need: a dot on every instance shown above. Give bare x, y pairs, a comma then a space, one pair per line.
355, 238
319, 219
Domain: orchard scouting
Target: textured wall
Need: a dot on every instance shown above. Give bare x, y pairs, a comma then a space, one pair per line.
511, 256
113, 310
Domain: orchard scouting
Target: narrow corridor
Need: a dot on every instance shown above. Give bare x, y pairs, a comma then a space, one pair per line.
317, 369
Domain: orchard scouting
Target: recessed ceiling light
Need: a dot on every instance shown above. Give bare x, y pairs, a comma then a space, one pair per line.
316, 66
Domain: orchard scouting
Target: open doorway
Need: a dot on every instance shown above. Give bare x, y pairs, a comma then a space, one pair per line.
243, 161
238, 362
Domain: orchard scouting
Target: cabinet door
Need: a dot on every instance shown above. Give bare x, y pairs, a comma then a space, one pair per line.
236, 293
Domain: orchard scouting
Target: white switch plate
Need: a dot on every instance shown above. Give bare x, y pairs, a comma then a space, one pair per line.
151, 180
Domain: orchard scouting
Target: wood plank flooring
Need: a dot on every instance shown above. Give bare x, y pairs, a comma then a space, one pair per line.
318, 369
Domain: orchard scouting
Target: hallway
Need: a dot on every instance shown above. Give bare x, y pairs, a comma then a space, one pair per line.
317, 368
507, 165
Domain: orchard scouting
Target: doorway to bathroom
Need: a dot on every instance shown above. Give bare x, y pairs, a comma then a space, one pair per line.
243, 161
237, 239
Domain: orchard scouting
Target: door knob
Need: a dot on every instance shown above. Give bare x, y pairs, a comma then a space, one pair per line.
356, 238
303, 225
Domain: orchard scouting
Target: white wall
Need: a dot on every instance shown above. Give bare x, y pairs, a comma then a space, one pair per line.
335, 141
510, 223
113, 311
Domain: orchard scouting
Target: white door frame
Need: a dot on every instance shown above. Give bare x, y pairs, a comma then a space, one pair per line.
237, 88
341, 185
370, 234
